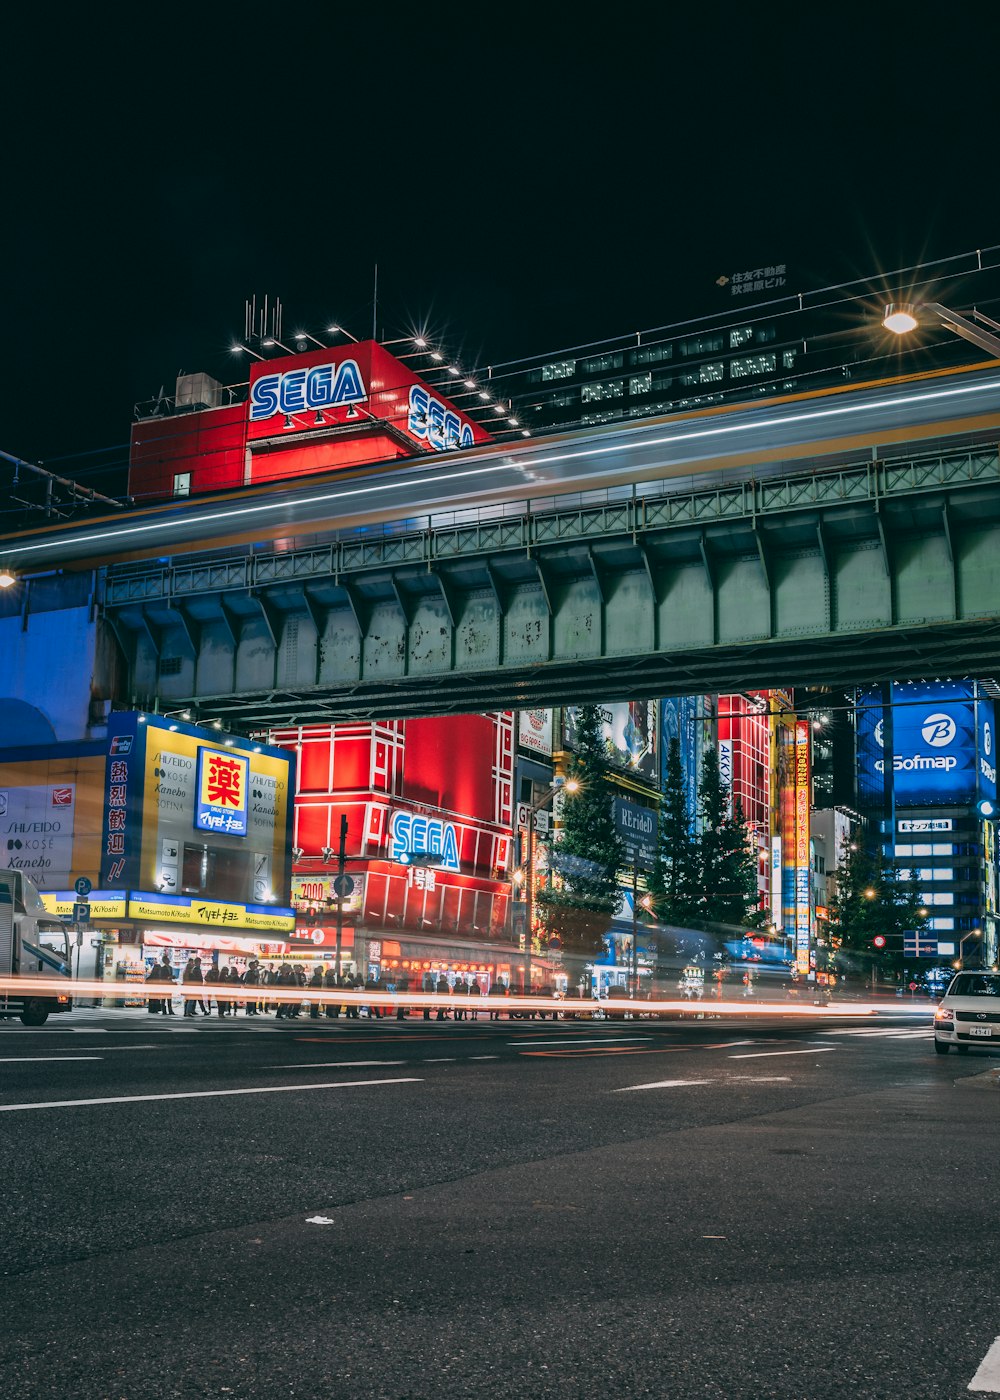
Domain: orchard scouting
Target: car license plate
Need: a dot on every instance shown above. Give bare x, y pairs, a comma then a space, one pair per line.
980, 1030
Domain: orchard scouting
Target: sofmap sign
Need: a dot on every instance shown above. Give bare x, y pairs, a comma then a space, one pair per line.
933, 752
416, 838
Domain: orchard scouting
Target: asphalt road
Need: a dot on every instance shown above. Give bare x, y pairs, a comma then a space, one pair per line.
384, 1209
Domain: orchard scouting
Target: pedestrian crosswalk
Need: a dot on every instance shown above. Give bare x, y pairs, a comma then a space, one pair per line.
886, 1032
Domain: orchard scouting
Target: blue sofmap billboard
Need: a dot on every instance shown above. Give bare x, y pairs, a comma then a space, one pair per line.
937, 745
680, 719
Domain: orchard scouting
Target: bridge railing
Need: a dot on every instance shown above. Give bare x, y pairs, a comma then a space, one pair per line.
559, 519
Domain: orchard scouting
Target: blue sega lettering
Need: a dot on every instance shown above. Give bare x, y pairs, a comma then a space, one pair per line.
414, 837
295, 391
435, 423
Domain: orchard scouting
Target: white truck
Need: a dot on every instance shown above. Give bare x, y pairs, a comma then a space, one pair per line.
35, 944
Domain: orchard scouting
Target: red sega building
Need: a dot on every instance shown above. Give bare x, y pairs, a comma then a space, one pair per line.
745, 769
429, 815
323, 410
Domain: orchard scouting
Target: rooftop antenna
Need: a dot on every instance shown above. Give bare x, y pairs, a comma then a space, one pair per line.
375, 303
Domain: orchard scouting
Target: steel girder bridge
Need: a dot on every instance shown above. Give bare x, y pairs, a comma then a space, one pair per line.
864, 571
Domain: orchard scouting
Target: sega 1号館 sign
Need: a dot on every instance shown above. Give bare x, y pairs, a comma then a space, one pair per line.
942, 750
415, 840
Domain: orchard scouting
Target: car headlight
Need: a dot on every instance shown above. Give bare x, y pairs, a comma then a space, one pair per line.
944, 1014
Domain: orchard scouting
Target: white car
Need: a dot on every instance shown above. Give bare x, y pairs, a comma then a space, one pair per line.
969, 1013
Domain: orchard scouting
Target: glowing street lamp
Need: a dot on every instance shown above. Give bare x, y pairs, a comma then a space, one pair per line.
903, 317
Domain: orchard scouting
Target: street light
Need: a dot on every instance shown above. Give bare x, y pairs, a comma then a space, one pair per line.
960, 964
903, 317
567, 785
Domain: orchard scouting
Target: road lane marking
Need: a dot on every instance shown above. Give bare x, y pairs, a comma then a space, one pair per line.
47, 1059
570, 1039
761, 1078
663, 1084
770, 1054
341, 1064
484, 1057
988, 1375
200, 1094
447, 1060
571, 1053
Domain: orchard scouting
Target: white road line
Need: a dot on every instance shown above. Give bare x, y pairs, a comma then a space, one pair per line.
762, 1078
46, 1059
484, 1057
447, 1060
907, 1031
663, 1084
199, 1094
770, 1054
570, 1039
341, 1064
988, 1375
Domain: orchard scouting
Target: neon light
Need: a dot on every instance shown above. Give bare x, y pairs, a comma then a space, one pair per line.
414, 836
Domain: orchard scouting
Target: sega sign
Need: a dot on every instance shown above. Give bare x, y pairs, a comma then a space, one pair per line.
306, 389
435, 423
419, 840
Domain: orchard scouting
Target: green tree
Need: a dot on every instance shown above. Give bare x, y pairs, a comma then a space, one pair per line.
674, 882
871, 901
579, 908
727, 860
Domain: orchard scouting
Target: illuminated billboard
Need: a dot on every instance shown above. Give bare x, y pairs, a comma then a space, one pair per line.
222, 791
630, 735
359, 384
189, 815
938, 744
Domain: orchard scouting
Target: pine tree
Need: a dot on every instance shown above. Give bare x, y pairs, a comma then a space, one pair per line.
674, 882
590, 853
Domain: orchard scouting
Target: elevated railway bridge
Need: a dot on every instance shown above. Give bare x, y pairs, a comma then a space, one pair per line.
843, 537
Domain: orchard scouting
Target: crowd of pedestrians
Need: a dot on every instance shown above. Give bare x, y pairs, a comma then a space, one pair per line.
255, 982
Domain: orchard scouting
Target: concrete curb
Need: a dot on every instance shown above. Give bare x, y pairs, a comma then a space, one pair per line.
989, 1080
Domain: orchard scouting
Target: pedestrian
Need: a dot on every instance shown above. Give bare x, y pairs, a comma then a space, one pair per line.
251, 979
315, 985
402, 987
222, 1002
475, 990
285, 981
355, 983
154, 1005
205, 1010
460, 989
190, 979
371, 984
166, 974
442, 990
330, 983
427, 984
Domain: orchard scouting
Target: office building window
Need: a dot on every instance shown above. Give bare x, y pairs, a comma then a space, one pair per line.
788, 359
607, 416
649, 410
944, 848
600, 364
942, 925
702, 345
709, 373
182, 484
563, 400
603, 389
763, 335
751, 364
938, 897
651, 354
559, 369
640, 383
740, 336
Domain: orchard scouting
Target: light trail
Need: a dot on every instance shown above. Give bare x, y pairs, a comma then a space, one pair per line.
48, 987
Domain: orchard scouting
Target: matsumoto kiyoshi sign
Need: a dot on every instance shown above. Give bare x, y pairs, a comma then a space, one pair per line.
420, 840
942, 744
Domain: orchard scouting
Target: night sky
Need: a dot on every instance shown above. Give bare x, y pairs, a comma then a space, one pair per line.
524, 182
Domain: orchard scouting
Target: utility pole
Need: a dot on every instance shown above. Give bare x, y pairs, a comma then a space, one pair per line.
339, 888
635, 928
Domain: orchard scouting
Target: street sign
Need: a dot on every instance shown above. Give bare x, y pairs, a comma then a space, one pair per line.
83, 887
343, 886
81, 913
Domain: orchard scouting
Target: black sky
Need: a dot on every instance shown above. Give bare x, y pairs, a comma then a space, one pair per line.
527, 179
